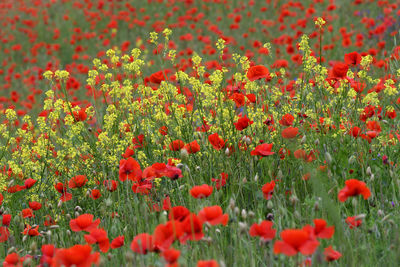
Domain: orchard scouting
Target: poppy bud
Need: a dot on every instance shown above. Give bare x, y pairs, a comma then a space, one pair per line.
293, 199
227, 151
368, 171
236, 210
33, 247
244, 214
256, 177
231, 203
270, 205
372, 177
184, 154
251, 214
352, 159
303, 139
354, 202
328, 158
279, 175
109, 202
242, 227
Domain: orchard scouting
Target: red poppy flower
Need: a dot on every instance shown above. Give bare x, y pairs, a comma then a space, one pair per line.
352, 59
219, 183
84, 222
62, 188
129, 169
192, 147
163, 130
294, 241
176, 145
192, 228
354, 187
142, 243
6, 219
48, 252
258, 72
178, 213
171, 255
201, 191
77, 181
263, 230
95, 194
321, 231
118, 242
1, 199
209, 263
331, 254
290, 132
217, 142
268, 190
98, 236
213, 215
157, 77
165, 234
34, 205
29, 230
262, 150
12, 260
243, 123
353, 222
78, 255
27, 213
129, 152
287, 120
355, 131
4, 234
339, 70
111, 185
28, 183
80, 115
239, 99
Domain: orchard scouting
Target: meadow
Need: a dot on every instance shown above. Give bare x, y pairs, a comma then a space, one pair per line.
199, 133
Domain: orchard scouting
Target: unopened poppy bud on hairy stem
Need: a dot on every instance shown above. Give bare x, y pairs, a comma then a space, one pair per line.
368, 171
232, 204
351, 159
242, 227
244, 214
184, 154
328, 158
236, 210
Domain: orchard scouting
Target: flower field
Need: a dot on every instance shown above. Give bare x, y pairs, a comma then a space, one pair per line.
199, 133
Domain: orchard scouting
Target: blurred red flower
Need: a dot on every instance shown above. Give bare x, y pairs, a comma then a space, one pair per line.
258, 72
354, 187
263, 230
295, 241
